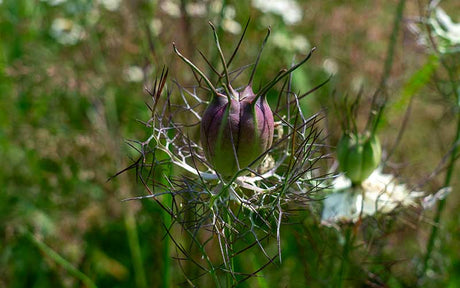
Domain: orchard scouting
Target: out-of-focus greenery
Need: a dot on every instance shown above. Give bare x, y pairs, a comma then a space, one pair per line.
72, 77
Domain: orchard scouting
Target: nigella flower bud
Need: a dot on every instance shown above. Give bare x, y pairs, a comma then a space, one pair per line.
358, 156
236, 127
235, 134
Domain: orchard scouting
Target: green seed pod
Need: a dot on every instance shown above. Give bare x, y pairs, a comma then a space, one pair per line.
358, 156
235, 134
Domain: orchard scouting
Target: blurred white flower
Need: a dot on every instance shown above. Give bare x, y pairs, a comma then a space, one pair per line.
229, 12
429, 201
414, 29
231, 26
93, 16
197, 9
289, 10
281, 40
330, 66
357, 83
66, 32
378, 193
444, 31
300, 43
444, 27
228, 23
155, 26
52, 2
296, 43
215, 6
134, 74
171, 8
111, 5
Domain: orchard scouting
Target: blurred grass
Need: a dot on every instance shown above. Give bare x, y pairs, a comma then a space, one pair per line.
67, 108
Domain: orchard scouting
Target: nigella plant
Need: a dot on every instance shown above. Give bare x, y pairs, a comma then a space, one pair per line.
361, 189
252, 166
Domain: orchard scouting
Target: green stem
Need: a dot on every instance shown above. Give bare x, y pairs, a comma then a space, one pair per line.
283, 73
196, 69
258, 57
255, 264
450, 169
48, 251
215, 54
221, 54
136, 255
187, 28
440, 208
345, 254
230, 277
166, 279
204, 255
373, 121
392, 44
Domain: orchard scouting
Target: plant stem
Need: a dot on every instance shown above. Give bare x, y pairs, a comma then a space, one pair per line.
392, 44
456, 91
195, 68
48, 251
215, 54
373, 121
441, 205
283, 73
345, 253
258, 57
230, 277
187, 27
204, 255
166, 279
136, 255
261, 281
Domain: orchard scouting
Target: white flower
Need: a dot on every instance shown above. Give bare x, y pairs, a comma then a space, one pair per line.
429, 201
378, 193
289, 10
330, 66
281, 40
134, 74
171, 8
445, 28
215, 7
296, 43
231, 26
111, 5
66, 32
155, 26
228, 23
300, 43
92, 17
229, 12
53, 2
196, 9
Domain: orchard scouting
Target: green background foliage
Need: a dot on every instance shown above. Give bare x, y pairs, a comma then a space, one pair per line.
66, 109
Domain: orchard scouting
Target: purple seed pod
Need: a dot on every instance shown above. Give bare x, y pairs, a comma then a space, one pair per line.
234, 136
237, 127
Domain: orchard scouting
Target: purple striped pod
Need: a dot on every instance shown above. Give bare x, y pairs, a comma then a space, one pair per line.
236, 131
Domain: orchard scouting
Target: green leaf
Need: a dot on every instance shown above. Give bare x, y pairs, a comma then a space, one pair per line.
416, 82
